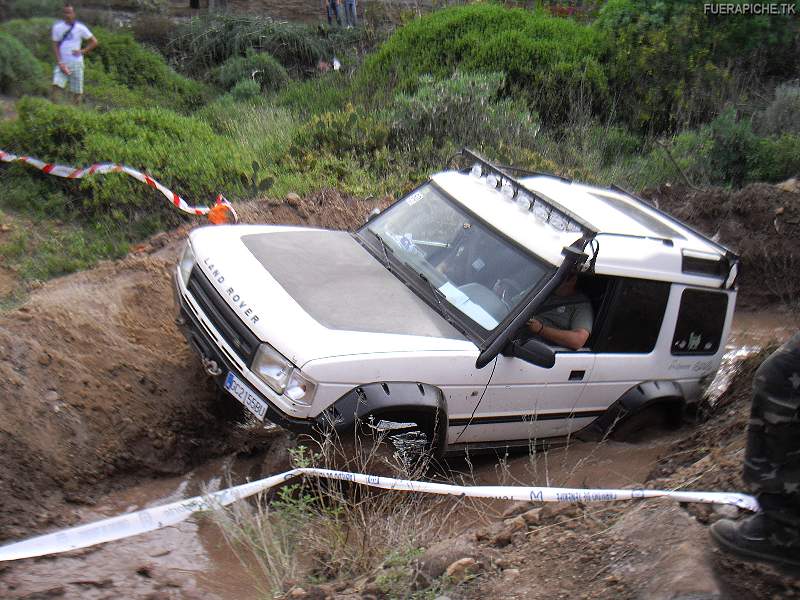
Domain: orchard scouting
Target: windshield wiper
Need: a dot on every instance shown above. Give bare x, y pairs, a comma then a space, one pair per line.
384, 246
438, 295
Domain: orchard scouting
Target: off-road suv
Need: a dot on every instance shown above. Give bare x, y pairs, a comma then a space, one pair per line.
420, 318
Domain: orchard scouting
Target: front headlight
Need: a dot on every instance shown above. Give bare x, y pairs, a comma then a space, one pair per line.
301, 388
186, 263
272, 367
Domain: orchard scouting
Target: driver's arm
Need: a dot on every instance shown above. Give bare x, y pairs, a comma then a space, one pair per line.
574, 339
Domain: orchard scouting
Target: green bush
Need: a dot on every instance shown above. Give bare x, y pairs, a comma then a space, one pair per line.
260, 68
671, 65
551, 62
342, 131
130, 64
783, 113
181, 152
26, 9
464, 109
775, 159
19, 70
328, 92
246, 90
208, 41
34, 34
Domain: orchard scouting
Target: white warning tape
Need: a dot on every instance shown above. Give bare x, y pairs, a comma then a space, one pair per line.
149, 519
215, 213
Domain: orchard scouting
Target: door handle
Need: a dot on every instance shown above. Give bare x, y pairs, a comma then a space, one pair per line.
576, 375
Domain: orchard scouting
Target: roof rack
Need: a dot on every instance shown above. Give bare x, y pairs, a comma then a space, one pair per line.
545, 208
528, 173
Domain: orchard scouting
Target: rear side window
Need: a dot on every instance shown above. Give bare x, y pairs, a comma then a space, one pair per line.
700, 321
634, 320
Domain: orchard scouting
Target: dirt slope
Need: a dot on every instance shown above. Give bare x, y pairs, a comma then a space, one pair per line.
97, 382
761, 222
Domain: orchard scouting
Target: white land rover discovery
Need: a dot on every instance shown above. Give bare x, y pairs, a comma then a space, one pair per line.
420, 318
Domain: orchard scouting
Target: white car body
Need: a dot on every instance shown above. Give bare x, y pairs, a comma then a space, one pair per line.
383, 330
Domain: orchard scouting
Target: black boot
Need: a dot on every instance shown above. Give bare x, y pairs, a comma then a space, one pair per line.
760, 538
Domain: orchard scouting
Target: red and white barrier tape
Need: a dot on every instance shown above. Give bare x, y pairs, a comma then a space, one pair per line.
221, 212
150, 519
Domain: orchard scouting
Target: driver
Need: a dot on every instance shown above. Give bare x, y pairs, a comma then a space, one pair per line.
565, 319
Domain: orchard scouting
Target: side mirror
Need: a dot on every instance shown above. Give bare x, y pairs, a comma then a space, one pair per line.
534, 352
373, 213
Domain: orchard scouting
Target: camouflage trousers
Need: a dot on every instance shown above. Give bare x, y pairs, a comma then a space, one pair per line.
772, 459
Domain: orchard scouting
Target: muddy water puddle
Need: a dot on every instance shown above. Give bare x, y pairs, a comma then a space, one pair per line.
192, 560
188, 560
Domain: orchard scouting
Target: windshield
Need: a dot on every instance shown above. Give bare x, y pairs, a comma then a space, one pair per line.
478, 272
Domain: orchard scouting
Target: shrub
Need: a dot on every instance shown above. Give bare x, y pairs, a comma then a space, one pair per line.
260, 68
246, 90
208, 41
34, 34
153, 30
671, 65
732, 143
19, 70
342, 131
775, 159
317, 95
551, 62
783, 113
181, 152
26, 9
138, 68
463, 109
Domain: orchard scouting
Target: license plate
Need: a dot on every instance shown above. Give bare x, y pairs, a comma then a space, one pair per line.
244, 394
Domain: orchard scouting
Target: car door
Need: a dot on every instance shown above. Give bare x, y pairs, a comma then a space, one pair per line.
524, 401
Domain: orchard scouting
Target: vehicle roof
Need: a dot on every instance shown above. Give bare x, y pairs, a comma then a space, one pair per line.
634, 240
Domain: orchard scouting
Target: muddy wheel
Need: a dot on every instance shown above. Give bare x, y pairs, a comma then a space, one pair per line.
644, 424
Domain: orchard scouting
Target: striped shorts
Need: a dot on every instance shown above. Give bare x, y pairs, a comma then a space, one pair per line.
74, 79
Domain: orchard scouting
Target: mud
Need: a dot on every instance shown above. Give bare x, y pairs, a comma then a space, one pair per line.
761, 222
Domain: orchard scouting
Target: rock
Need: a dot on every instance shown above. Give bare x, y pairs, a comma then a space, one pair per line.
51, 396
532, 517
726, 511
510, 574
517, 508
435, 560
45, 359
297, 593
790, 185
461, 569
510, 527
293, 199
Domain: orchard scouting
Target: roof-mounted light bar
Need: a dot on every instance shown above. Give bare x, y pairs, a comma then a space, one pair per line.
545, 209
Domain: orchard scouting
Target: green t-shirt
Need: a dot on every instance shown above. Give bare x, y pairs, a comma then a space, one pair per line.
567, 312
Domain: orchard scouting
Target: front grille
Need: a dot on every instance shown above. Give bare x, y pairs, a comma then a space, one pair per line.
222, 316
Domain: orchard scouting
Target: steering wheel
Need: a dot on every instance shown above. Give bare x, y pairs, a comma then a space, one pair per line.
507, 289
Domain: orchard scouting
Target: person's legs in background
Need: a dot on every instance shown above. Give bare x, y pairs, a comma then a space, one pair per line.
350, 12
333, 9
772, 466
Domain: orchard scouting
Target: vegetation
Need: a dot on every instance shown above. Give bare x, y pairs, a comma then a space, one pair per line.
638, 93
19, 70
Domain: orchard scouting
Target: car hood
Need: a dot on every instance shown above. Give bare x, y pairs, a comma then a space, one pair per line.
315, 293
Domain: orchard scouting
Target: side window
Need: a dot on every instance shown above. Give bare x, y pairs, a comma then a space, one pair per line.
700, 321
634, 317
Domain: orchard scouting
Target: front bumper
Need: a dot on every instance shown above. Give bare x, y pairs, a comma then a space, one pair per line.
202, 341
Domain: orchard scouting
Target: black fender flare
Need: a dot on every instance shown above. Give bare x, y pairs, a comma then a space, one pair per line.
380, 398
638, 398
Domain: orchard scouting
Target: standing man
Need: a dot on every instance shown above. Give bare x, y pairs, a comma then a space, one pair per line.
350, 13
333, 9
68, 37
771, 467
